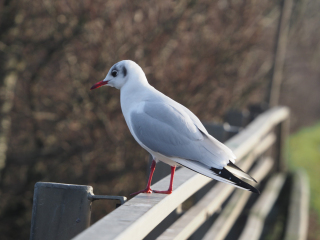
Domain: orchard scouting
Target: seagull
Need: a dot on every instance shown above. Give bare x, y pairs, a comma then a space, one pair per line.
169, 131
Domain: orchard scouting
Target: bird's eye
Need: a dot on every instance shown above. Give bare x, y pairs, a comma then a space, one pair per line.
114, 73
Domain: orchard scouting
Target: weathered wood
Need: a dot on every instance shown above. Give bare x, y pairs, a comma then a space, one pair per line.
262, 207
297, 225
232, 210
126, 222
212, 201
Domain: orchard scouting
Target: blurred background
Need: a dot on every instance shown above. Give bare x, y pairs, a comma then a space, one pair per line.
210, 56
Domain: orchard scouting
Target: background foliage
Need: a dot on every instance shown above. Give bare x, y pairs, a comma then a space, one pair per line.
208, 55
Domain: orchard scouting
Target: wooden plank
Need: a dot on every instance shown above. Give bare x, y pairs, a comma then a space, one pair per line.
232, 210
297, 225
187, 224
137, 217
262, 207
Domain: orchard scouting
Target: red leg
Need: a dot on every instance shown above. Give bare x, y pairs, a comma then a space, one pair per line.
148, 189
169, 191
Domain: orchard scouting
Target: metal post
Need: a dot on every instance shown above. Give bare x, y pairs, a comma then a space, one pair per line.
221, 132
60, 211
230, 131
256, 109
237, 118
216, 130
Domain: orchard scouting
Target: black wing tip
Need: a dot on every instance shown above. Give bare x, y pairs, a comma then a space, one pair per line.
254, 180
224, 173
254, 190
231, 164
248, 187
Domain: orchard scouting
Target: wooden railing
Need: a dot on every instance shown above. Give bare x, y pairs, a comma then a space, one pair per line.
259, 149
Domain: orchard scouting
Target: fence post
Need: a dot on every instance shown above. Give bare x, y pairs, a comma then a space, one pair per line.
282, 131
60, 211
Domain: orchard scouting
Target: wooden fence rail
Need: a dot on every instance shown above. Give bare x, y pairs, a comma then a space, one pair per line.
138, 217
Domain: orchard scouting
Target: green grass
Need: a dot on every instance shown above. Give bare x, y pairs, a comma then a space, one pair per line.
304, 152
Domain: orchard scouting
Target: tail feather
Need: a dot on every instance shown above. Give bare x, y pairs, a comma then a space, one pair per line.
238, 172
236, 181
222, 174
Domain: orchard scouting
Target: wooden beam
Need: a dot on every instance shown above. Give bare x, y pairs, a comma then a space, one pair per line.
232, 210
262, 207
297, 224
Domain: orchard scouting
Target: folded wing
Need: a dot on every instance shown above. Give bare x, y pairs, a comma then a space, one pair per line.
170, 131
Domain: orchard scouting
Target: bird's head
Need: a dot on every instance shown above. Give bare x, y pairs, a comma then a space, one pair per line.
120, 73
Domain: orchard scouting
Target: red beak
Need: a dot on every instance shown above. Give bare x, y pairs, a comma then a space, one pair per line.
99, 84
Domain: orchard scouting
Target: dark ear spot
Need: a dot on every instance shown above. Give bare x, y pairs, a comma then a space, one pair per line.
124, 71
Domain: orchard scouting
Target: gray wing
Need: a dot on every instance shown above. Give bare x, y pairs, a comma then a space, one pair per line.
170, 131
198, 123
